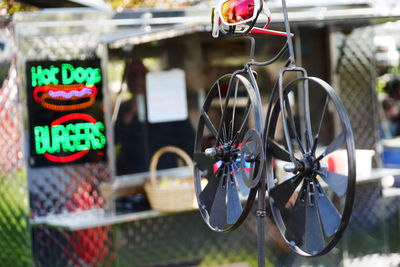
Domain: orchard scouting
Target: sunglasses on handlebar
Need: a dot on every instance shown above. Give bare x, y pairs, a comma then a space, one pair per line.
234, 12
239, 17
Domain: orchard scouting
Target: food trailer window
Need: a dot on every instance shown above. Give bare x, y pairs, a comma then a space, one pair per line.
141, 127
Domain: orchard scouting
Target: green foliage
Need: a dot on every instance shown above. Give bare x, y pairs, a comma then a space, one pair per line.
13, 6
380, 87
246, 256
14, 227
395, 70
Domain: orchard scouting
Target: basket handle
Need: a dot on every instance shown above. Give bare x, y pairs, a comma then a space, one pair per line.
161, 151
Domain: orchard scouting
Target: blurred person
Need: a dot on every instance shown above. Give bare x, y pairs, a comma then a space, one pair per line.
391, 106
136, 138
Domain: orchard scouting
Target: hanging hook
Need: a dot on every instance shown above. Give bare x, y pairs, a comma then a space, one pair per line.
289, 39
252, 46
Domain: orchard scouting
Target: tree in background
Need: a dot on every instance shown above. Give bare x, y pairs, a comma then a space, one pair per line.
121, 4
12, 6
8, 7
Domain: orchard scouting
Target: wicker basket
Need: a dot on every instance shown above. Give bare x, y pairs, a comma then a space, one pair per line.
170, 195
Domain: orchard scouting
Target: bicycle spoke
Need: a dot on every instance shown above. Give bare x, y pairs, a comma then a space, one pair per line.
293, 125
209, 124
306, 105
224, 131
308, 140
232, 123
320, 125
240, 132
222, 113
315, 144
277, 150
286, 130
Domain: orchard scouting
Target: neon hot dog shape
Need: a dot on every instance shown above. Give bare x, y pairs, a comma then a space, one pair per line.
64, 97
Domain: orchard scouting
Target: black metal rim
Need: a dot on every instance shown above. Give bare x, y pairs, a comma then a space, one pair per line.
350, 149
205, 122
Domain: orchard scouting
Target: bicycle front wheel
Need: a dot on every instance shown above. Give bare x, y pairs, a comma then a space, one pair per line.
228, 154
310, 166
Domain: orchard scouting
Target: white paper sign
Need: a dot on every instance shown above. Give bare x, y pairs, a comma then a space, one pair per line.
166, 96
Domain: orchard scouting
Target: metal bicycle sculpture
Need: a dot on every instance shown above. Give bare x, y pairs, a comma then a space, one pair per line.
236, 156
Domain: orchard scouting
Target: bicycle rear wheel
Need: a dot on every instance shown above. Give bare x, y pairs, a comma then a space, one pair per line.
228, 154
310, 166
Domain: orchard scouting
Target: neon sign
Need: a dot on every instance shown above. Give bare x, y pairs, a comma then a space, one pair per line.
66, 118
64, 97
68, 75
77, 138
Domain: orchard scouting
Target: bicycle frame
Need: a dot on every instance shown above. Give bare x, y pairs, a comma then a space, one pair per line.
304, 168
261, 208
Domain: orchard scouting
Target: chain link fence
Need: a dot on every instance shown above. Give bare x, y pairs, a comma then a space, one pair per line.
68, 188
15, 245
356, 74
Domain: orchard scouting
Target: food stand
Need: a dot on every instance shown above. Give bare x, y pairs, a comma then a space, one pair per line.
53, 193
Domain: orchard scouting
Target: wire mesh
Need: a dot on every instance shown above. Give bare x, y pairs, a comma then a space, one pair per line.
356, 74
14, 229
88, 247
67, 188
181, 239
172, 239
